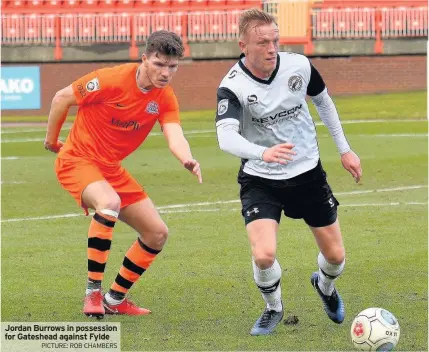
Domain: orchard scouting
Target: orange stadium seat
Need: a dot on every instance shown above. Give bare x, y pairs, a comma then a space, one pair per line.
108, 5
32, 27
142, 26
141, 4
179, 5
124, 4
11, 29
86, 27
71, 4
232, 22
342, 26
324, 23
14, 5
69, 32
199, 5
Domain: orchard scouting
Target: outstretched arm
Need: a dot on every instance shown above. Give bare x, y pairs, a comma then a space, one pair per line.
179, 146
61, 103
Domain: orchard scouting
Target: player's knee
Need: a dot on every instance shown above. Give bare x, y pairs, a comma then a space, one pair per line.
335, 256
264, 259
112, 202
162, 234
159, 236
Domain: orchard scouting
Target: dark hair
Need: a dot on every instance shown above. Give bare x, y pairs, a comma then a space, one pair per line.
164, 43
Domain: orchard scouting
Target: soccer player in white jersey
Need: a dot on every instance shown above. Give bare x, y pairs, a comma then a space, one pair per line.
263, 118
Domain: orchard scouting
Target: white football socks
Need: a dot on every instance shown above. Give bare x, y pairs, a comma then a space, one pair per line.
112, 301
268, 281
328, 273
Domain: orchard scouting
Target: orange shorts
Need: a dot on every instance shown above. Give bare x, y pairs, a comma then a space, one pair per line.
75, 175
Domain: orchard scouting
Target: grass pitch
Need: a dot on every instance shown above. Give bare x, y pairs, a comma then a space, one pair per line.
200, 288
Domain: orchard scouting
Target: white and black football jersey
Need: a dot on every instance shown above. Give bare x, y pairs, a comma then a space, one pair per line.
274, 111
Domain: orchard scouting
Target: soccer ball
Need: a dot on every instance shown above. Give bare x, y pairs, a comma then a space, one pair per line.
375, 329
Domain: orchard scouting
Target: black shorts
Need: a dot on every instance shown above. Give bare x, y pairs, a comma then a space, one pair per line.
307, 196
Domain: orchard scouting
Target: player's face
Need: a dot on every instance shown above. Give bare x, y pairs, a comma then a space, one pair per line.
261, 45
160, 69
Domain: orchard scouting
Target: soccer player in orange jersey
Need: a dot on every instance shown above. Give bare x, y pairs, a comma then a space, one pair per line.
118, 107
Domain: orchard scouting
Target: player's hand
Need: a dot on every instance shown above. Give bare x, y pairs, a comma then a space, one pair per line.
351, 163
53, 147
279, 153
194, 167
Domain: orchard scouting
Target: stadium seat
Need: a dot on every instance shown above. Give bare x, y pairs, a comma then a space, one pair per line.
71, 4
199, 5
14, 5
232, 19
69, 33
32, 28
52, 4
122, 4
90, 4
323, 23
142, 26
180, 5
48, 29
12, 29
108, 5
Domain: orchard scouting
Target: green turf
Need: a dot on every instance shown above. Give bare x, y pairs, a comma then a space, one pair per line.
408, 105
201, 288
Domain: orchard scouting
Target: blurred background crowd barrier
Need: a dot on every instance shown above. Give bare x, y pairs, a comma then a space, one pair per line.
317, 27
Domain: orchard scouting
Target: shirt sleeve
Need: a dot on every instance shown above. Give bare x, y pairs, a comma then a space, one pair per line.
228, 105
170, 109
329, 115
316, 84
91, 88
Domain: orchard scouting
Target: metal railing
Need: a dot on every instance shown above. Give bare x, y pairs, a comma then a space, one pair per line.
298, 23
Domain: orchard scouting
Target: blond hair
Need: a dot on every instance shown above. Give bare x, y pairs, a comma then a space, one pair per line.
253, 15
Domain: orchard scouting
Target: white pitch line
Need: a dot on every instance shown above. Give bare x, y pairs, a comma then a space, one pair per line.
73, 215
184, 205
383, 204
391, 135
405, 188
22, 140
9, 158
165, 209
11, 130
3, 131
190, 132
12, 182
391, 204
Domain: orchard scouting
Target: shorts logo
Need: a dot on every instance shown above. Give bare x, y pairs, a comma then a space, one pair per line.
222, 107
93, 85
331, 202
295, 83
152, 108
250, 212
